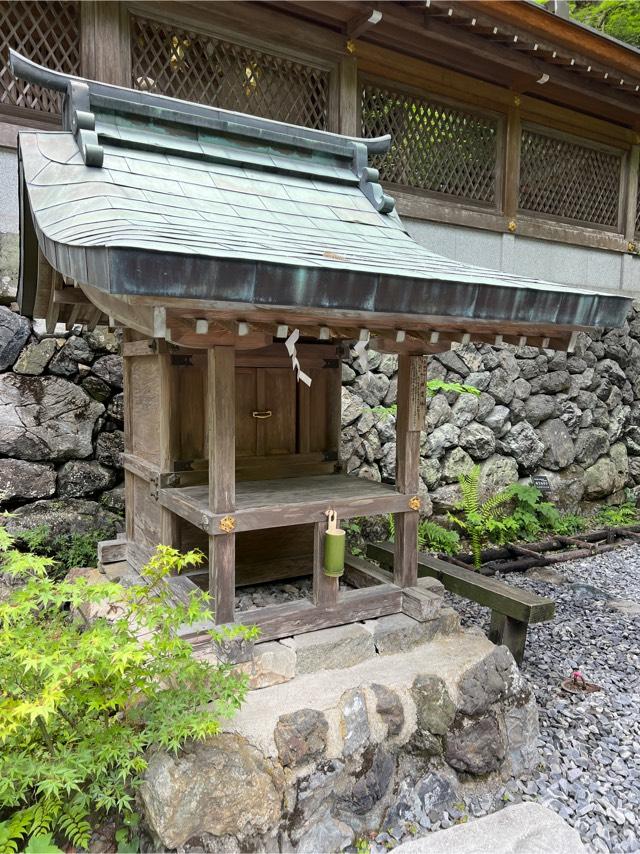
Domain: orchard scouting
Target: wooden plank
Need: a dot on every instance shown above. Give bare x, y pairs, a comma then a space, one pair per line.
360, 573
412, 395
287, 501
221, 489
325, 588
281, 621
349, 96
510, 601
112, 551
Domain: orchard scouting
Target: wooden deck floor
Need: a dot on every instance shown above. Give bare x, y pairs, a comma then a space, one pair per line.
287, 501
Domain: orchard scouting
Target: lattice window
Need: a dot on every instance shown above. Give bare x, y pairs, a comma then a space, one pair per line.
47, 32
196, 67
569, 180
435, 146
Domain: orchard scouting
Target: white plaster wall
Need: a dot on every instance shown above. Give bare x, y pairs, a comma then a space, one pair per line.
9, 190
526, 256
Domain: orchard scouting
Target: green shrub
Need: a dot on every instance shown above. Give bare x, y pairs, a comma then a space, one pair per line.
615, 517
434, 538
81, 700
66, 550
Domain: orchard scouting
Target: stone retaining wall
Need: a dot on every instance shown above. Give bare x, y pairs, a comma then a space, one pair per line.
574, 418
61, 439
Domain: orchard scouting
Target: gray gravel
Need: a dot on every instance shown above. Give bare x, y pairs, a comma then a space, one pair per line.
590, 744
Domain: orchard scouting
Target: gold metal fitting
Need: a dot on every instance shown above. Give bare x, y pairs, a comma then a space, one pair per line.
516, 100
415, 503
351, 46
632, 247
512, 225
227, 524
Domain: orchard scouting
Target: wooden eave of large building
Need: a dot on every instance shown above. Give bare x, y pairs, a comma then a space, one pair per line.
512, 43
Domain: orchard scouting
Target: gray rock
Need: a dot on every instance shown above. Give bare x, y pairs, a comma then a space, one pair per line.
102, 341
497, 419
446, 436
430, 471
398, 632
571, 415
389, 707
521, 726
456, 462
501, 386
487, 681
438, 412
45, 418
628, 607
464, 409
97, 388
521, 389
23, 481
486, 405
113, 499
618, 421
475, 745
110, 448
524, 445
64, 517
600, 479
388, 364
372, 388
591, 445
435, 710
551, 383
611, 371
566, 487
115, 409
109, 369
453, 362
331, 649
351, 407
478, 440
539, 407
78, 478
301, 736
325, 834
558, 445
354, 724
35, 358
371, 787
223, 787
496, 473
348, 374
14, 331
445, 498
479, 380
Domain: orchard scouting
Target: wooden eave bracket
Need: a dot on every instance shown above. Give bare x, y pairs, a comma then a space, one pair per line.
359, 24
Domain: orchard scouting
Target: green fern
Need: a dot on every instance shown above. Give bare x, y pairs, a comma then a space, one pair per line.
13, 831
74, 825
481, 519
434, 538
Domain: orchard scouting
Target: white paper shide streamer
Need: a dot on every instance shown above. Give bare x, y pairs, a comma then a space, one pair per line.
290, 344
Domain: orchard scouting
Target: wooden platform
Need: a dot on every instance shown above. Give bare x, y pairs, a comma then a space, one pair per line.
285, 501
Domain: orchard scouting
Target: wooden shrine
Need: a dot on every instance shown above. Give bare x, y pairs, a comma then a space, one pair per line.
244, 257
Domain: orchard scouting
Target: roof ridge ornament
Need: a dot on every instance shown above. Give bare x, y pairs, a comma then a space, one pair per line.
369, 178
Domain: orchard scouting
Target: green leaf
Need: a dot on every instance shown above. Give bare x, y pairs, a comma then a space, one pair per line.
43, 844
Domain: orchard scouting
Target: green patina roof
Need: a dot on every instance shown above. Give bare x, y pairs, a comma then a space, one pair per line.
143, 194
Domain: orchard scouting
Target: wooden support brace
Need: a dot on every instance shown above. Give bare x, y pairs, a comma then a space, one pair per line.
509, 632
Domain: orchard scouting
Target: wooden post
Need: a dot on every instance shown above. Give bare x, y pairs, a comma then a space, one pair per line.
509, 168
104, 42
221, 414
128, 435
325, 588
348, 99
412, 377
630, 195
167, 436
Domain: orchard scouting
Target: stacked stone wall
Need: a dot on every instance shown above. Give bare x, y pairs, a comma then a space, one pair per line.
574, 418
61, 419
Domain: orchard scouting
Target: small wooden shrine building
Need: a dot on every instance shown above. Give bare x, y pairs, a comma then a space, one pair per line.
241, 255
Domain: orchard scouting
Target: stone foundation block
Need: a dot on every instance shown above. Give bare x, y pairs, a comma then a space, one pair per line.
399, 632
330, 649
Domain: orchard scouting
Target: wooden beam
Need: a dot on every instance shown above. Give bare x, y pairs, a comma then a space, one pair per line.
222, 454
295, 618
359, 24
412, 402
631, 195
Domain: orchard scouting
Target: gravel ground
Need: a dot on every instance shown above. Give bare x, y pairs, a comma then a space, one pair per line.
590, 744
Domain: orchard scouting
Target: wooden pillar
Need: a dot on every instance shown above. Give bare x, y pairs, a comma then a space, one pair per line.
167, 438
325, 588
349, 98
412, 377
630, 195
105, 52
221, 415
128, 435
510, 167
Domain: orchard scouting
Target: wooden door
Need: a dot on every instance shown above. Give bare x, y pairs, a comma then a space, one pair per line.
265, 412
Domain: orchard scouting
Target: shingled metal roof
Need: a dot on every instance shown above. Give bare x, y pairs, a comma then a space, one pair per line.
144, 194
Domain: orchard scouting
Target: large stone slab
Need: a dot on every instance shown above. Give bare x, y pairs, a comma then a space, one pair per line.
330, 649
14, 331
45, 418
519, 829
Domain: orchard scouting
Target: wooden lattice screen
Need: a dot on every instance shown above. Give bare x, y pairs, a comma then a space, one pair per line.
435, 146
47, 31
197, 67
564, 179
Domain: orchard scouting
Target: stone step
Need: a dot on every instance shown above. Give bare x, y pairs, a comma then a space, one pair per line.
525, 828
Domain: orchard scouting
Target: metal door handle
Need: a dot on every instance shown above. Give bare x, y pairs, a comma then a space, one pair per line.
262, 413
